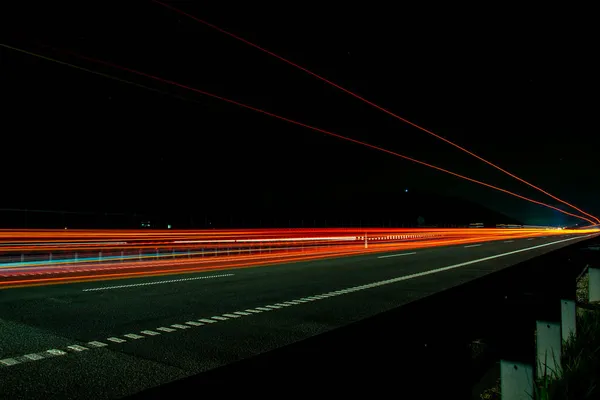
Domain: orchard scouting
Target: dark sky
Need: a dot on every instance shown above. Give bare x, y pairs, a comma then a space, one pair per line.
516, 87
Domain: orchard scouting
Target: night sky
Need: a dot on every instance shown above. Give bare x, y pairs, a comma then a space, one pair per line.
515, 87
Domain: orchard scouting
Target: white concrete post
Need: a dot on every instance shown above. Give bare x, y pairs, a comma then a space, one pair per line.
548, 348
568, 317
516, 381
122, 255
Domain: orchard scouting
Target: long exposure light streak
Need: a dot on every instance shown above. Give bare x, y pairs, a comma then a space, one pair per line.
98, 73
29, 261
306, 126
371, 104
203, 92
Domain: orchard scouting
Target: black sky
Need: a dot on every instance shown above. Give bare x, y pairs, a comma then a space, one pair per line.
516, 87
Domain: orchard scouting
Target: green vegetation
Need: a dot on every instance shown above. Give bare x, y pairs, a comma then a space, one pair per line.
579, 377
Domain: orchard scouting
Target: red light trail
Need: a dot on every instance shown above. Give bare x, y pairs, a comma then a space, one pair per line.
372, 104
295, 123
37, 257
326, 132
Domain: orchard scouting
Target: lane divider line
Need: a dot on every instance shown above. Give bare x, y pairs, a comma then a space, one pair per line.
398, 255
472, 245
31, 357
156, 283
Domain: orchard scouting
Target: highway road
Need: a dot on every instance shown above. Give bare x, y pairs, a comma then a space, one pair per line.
109, 339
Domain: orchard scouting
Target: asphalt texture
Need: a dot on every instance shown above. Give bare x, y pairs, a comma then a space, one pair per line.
112, 339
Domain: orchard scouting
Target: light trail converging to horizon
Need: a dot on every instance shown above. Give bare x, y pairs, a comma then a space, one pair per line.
37, 257
305, 126
373, 105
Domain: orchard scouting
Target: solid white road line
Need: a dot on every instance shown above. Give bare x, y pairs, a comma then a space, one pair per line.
157, 283
398, 255
472, 245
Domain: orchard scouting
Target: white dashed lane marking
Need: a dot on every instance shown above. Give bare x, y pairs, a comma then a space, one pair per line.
55, 352
156, 283
133, 336
473, 245
7, 362
97, 344
34, 357
116, 340
77, 347
398, 255
242, 313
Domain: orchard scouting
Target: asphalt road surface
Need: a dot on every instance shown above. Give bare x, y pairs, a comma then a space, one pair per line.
110, 339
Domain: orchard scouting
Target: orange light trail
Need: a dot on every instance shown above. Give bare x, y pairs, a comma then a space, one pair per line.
373, 105
224, 249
